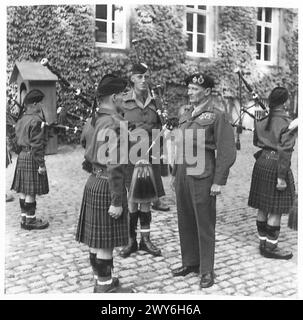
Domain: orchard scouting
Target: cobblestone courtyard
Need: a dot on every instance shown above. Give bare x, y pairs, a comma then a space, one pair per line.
51, 261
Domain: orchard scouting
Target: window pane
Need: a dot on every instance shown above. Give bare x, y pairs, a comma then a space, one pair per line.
260, 14
116, 12
101, 11
267, 35
117, 31
258, 51
201, 23
189, 21
267, 53
201, 43
258, 33
190, 6
189, 42
100, 31
202, 7
268, 14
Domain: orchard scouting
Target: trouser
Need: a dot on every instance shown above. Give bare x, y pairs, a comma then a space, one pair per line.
196, 220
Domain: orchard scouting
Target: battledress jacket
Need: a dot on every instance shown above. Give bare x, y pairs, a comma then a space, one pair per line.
30, 133
104, 151
219, 137
278, 138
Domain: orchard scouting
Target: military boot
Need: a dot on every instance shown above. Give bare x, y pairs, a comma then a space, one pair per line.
147, 245
31, 222
132, 243
272, 251
105, 283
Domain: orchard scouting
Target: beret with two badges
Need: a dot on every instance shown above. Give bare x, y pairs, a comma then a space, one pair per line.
200, 79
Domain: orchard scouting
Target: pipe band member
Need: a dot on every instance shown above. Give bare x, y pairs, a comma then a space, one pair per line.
140, 111
196, 191
102, 222
30, 178
272, 189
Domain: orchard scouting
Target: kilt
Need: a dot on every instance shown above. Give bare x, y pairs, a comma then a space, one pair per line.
27, 180
263, 194
96, 228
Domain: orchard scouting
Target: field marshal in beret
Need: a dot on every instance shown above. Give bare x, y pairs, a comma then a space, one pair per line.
196, 192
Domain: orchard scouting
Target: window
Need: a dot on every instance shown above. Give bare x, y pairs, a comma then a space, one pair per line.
110, 27
196, 30
266, 43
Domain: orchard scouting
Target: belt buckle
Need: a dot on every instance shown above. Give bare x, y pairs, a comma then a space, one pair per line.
99, 173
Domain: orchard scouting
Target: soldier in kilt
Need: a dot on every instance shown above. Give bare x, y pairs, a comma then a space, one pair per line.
102, 222
30, 178
272, 189
140, 111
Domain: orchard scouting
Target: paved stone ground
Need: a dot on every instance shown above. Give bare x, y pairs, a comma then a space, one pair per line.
51, 261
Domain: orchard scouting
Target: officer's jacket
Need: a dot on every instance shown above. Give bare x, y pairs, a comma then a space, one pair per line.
30, 133
143, 116
109, 137
219, 136
278, 138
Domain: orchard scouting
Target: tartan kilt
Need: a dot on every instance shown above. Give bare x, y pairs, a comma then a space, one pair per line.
263, 194
96, 228
27, 180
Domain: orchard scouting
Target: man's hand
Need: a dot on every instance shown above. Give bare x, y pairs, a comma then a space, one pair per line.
281, 184
215, 190
115, 212
42, 170
173, 183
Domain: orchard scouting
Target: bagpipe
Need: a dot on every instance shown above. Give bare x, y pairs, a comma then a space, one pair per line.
244, 110
90, 107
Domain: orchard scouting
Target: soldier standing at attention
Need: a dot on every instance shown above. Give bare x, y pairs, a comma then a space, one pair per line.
272, 189
102, 222
30, 177
140, 111
196, 192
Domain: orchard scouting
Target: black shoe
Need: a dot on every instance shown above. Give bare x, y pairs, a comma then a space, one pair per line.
129, 249
183, 271
107, 288
148, 246
277, 253
160, 206
207, 280
36, 224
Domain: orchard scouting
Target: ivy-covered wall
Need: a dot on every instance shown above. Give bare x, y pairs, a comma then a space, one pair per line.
65, 35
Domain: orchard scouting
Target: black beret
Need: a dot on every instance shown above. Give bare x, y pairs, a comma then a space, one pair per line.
200, 79
33, 96
110, 84
139, 68
278, 96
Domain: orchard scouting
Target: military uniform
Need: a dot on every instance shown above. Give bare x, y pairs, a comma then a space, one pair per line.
272, 189
28, 180
96, 228
196, 208
143, 116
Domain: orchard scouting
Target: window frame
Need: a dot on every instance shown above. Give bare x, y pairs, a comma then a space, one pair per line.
274, 27
109, 22
195, 11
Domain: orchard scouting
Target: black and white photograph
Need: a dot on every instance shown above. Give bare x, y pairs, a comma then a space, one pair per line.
151, 150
